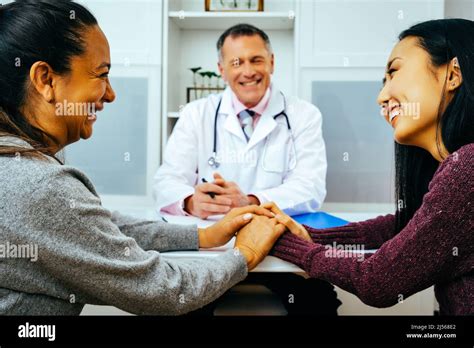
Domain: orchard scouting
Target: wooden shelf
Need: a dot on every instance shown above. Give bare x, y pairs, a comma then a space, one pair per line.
223, 20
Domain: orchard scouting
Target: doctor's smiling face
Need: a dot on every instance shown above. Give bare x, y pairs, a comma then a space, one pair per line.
246, 64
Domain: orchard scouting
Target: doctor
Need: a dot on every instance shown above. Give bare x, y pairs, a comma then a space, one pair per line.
250, 144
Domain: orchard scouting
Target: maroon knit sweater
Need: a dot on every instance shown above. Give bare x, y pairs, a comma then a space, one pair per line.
435, 247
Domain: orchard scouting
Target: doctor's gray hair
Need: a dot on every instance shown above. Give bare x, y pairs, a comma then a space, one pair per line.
242, 29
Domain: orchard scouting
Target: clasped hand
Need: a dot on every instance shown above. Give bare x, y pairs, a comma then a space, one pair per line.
257, 229
217, 197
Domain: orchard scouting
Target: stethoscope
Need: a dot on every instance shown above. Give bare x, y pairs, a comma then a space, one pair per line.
212, 161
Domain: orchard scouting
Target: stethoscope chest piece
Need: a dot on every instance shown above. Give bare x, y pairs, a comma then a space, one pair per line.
212, 161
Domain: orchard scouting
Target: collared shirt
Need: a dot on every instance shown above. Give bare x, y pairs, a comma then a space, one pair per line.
259, 108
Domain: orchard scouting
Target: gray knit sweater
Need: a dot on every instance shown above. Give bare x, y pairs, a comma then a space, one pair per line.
85, 254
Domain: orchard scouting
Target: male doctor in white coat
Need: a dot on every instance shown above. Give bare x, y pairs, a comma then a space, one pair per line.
259, 155
249, 145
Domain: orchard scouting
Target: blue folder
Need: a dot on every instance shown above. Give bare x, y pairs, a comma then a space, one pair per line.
320, 220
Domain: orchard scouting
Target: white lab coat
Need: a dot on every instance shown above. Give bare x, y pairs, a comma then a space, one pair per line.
287, 167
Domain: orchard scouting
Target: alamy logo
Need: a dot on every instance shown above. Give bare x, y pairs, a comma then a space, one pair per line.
74, 109
335, 250
37, 331
19, 251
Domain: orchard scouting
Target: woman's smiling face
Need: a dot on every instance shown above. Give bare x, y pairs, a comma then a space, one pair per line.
64, 105
412, 93
86, 87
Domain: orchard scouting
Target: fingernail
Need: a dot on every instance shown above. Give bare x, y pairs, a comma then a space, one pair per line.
278, 217
247, 216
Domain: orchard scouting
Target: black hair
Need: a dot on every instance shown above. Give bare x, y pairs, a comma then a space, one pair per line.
242, 29
443, 40
30, 31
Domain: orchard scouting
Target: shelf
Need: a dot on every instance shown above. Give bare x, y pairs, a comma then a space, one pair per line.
173, 114
223, 20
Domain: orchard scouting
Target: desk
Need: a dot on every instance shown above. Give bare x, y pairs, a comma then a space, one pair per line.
270, 263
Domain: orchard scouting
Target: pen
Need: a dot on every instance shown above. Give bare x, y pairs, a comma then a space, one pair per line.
212, 194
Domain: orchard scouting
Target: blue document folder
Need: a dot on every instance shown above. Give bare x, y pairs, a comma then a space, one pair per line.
320, 220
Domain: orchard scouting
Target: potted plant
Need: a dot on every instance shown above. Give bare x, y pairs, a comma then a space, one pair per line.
195, 71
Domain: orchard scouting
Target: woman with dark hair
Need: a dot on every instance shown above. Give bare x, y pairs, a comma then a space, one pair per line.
430, 239
62, 248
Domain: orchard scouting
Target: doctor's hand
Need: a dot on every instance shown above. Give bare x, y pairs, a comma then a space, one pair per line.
223, 231
233, 192
204, 204
293, 226
256, 239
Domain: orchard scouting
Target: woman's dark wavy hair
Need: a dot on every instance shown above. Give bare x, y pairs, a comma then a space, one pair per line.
30, 31
443, 39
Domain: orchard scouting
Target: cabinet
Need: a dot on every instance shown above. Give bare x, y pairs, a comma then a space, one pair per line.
190, 35
357, 33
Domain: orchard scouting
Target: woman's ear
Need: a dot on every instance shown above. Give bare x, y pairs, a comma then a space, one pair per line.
454, 75
41, 77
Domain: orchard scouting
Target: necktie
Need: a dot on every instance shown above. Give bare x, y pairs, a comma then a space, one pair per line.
246, 118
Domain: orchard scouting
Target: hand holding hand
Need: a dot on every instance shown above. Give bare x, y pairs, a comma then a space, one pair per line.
223, 231
255, 240
293, 226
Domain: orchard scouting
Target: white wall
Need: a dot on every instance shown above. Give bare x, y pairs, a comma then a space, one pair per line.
349, 41
459, 9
